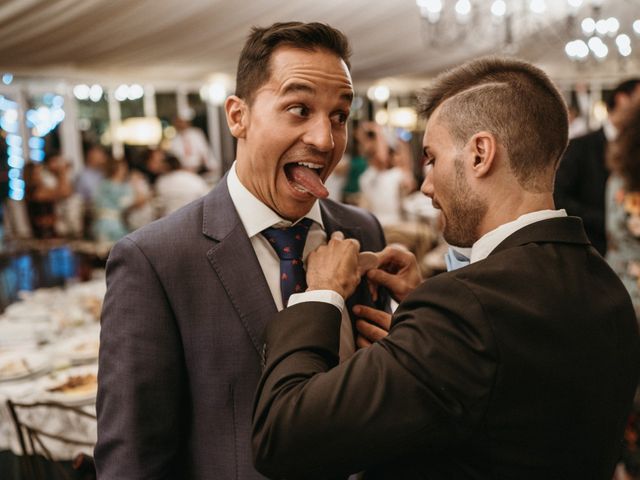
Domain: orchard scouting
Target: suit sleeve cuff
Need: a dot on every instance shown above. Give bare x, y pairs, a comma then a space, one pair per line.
325, 296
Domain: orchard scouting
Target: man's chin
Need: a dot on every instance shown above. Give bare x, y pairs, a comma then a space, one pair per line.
295, 210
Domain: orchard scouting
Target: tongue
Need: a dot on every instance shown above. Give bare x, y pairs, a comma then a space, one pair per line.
309, 180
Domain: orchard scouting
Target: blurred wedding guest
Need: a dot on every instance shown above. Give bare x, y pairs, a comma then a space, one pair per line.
152, 163
191, 146
520, 364
386, 181
338, 179
111, 202
178, 187
623, 206
188, 296
142, 211
45, 188
582, 174
357, 165
577, 123
88, 180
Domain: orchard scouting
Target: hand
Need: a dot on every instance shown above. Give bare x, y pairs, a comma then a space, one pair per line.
398, 271
373, 325
334, 266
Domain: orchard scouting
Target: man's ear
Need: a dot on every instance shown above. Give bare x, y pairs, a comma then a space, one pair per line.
483, 147
236, 111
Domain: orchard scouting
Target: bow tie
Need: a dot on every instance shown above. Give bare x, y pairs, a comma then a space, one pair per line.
455, 260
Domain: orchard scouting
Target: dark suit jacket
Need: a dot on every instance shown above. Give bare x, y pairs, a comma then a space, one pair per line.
521, 366
182, 327
581, 182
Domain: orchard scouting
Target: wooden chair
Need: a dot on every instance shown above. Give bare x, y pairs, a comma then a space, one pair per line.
35, 454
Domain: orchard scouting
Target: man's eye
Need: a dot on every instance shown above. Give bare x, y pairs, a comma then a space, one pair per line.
299, 110
340, 118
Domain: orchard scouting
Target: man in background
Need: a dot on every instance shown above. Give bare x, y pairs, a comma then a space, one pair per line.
582, 175
192, 148
521, 364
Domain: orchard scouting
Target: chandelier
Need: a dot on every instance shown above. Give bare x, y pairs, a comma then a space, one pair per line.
585, 28
598, 35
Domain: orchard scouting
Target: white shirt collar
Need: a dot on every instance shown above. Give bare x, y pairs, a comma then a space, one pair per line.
485, 244
610, 131
255, 215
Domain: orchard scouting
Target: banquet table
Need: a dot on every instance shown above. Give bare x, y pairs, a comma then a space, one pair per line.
49, 342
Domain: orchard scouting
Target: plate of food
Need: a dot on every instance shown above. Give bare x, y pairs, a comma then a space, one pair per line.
80, 349
75, 386
17, 366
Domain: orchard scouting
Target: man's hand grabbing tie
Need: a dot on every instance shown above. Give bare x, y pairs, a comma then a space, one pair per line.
397, 270
334, 266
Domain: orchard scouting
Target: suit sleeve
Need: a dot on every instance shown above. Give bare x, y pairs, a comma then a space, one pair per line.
141, 381
568, 183
421, 389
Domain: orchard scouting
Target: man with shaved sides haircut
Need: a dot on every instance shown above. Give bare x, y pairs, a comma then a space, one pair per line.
189, 296
521, 364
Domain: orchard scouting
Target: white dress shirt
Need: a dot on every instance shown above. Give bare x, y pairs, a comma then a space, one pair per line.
255, 217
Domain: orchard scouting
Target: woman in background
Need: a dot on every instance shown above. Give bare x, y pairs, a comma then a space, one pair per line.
42, 193
623, 207
111, 202
622, 217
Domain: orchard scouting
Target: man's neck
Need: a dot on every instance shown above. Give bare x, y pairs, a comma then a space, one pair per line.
502, 211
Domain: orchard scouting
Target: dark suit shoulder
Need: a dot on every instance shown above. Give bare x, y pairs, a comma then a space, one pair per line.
174, 236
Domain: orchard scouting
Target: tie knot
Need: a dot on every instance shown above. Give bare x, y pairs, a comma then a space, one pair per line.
288, 243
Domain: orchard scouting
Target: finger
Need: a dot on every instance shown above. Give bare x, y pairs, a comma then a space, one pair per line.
380, 318
362, 342
337, 235
369, 331
393, 259
383, 278
354, 244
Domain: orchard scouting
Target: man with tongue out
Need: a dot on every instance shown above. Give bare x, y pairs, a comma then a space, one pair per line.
189, 296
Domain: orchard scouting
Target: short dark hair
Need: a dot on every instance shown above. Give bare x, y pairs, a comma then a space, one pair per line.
628, 86
512, 99
254, 64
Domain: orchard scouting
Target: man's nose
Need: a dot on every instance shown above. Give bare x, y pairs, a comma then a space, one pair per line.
427, 184
319, 135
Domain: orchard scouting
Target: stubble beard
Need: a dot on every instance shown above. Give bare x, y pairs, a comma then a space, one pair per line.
465, 213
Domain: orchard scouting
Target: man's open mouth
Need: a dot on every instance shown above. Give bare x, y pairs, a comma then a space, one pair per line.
305, 177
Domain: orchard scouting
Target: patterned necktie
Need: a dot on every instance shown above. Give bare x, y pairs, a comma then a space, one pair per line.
288, 244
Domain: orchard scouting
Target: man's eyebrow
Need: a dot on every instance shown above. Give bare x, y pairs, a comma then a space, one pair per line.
347, 97
304, 88
298, 87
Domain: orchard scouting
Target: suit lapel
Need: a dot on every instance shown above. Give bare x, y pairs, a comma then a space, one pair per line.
236, 264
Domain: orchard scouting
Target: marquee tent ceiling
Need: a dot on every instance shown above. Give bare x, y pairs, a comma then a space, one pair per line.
189, 40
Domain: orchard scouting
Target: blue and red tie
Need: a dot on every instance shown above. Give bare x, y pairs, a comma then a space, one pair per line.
288, 243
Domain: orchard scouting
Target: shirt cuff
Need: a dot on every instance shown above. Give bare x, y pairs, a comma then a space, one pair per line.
325, 296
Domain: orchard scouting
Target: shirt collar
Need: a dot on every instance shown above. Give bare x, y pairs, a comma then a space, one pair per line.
255, 215
485, 244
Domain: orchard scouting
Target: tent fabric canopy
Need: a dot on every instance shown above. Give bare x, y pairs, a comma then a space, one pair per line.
177, 40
